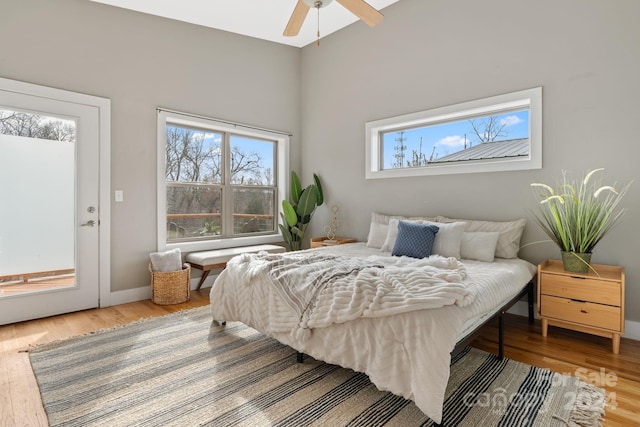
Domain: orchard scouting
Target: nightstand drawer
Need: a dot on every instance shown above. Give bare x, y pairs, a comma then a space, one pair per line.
585, 313
583, 289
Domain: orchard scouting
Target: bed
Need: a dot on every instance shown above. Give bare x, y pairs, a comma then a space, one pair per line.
402, 339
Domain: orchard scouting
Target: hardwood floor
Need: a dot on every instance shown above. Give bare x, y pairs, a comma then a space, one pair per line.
563, 351
574, 353
16, 286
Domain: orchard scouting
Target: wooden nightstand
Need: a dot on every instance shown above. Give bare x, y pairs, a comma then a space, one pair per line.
585, 302
318, 242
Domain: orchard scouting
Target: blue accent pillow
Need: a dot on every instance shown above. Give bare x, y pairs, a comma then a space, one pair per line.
414, 239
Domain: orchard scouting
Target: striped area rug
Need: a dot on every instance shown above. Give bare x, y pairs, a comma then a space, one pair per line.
184, 370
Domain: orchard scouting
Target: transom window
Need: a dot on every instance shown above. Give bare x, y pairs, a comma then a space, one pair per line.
492, 134
219, 183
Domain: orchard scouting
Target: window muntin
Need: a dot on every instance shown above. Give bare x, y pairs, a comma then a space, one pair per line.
492, 134
221, 185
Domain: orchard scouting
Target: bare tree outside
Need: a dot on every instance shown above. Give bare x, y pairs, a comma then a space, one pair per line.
418, 158
410, 150
489, 129
36, 126
195, 184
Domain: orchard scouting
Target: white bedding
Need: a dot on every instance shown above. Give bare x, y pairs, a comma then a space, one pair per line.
315, 289
406, 353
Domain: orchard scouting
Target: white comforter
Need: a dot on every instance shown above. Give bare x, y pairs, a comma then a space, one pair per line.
407, 353
320, 289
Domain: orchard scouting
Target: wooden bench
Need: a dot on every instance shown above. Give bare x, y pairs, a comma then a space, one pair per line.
211, 260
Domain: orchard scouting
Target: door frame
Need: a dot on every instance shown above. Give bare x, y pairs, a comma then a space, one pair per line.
104, 175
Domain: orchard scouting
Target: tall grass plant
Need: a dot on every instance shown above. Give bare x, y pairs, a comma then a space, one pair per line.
578, 213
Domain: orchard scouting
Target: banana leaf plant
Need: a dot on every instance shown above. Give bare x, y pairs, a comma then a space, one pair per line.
296, 214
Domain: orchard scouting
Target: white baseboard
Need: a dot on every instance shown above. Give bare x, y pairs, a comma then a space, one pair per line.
631, 328
143, 293
130, 295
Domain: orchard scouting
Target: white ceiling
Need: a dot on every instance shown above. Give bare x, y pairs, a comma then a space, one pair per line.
263, 19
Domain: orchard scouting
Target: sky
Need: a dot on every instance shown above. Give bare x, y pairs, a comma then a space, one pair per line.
443, 139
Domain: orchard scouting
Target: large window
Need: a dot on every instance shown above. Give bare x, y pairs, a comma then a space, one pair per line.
219, 184
492, 134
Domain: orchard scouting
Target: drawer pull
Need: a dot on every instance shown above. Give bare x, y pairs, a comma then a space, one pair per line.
584, 311
579, 278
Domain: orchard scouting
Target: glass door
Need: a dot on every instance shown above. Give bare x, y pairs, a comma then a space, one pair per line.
49, 186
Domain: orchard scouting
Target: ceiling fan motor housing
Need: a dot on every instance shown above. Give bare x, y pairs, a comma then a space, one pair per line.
317, 3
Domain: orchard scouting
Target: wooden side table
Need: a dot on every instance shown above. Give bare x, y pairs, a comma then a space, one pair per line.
318, 242
585, 302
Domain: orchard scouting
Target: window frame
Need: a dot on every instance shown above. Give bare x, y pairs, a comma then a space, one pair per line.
530, 99
281, 178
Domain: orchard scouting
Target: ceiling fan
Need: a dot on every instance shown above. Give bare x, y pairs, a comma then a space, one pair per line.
360, 8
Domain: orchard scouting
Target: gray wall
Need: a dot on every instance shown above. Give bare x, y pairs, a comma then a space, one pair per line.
141, 62
426, 54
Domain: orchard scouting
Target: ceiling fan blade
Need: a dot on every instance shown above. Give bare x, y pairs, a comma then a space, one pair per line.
363, 10
297, 19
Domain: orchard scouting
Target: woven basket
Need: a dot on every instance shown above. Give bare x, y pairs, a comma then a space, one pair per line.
170, 287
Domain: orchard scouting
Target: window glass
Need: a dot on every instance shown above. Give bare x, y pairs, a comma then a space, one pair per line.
193, 155
217, 182
193, 211
499, 133
494, 136
31, 125
252, 161
253, 210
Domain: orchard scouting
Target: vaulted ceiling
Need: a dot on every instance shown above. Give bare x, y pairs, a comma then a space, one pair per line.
263, 19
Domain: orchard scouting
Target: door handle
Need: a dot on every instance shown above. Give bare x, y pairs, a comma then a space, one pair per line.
89, 223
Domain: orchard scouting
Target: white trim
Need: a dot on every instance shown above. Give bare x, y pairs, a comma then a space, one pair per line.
143, 293
531, 98
104, 122
105, 202
282, 167
632, 330
130, 295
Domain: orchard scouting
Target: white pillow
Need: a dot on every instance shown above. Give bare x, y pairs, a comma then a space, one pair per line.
377, 235
392, 235
510, 233
166, 261
449, 238
479, 245
423, 218
378, 229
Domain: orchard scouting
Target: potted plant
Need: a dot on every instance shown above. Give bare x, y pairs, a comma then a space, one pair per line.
297, 214
577, 214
